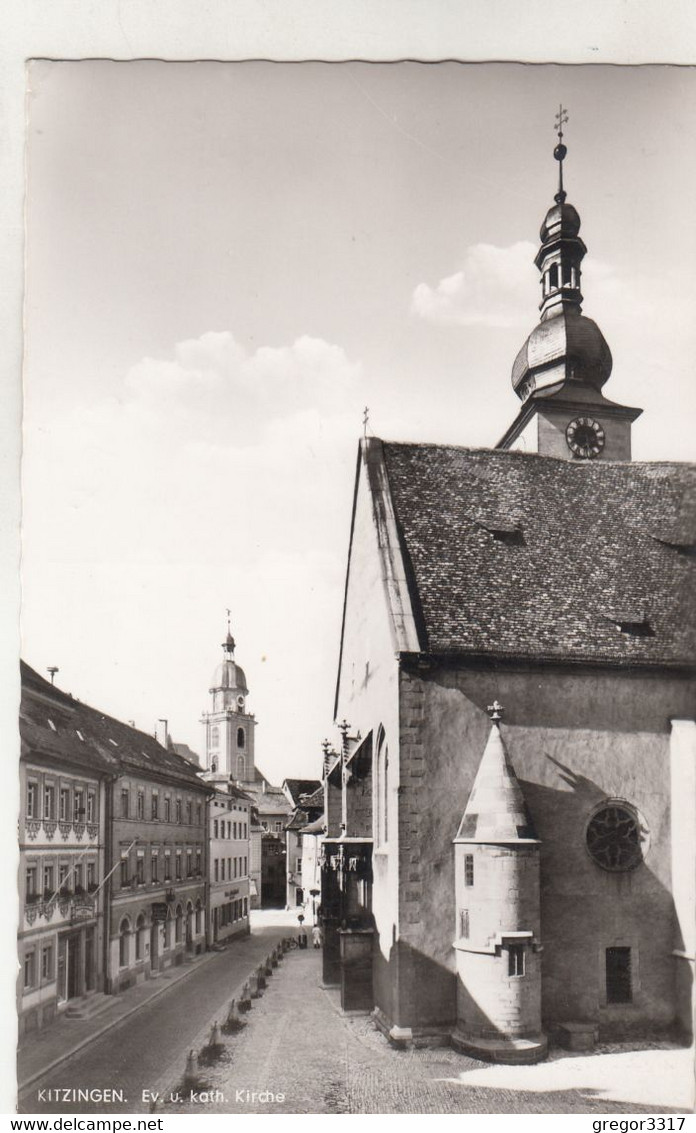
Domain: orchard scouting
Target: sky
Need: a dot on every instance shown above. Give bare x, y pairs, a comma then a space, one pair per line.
226, 262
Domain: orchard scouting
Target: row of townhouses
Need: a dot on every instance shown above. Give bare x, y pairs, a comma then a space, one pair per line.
130, 861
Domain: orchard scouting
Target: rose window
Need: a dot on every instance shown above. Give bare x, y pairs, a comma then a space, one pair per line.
615, 838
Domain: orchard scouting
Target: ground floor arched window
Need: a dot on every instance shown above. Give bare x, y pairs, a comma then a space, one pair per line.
178, 924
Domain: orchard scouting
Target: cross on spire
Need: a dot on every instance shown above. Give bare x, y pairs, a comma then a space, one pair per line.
561, 119
366, 420
560, 151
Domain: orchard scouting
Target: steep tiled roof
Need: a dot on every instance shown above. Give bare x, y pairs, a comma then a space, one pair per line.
296, 788
514, 554
82, 733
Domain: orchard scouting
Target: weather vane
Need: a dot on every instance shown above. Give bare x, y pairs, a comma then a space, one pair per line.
560, 150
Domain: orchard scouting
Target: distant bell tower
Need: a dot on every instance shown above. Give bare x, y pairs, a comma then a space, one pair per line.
559, 372
229, 728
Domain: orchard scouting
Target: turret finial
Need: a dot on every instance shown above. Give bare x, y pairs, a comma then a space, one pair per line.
495, 711
228, 643
560, 151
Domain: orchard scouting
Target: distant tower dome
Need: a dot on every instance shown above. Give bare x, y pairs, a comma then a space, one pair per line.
228, 674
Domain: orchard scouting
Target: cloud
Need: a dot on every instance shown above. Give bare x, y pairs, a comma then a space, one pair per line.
213, 387
493, 288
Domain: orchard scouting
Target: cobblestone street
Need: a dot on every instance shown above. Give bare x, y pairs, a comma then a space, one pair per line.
299, 1054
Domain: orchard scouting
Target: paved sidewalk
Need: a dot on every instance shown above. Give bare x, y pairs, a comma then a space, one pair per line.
299, 1054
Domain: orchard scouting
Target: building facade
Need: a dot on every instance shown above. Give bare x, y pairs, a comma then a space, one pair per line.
62, 825
306, 797
157, 862
551, 576
229, 832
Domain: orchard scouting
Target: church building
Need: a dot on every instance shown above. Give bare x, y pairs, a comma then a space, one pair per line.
510, 819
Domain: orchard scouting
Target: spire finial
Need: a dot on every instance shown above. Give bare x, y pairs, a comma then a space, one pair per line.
560, 151
495, 711
228, 643
366, 420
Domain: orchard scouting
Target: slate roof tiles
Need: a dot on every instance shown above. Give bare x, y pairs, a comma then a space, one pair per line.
520, 555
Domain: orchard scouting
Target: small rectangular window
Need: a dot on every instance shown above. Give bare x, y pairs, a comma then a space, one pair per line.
32, 790
515, 959
125, 878
124, 802
79, 805
464, 923
91, 806
178, 810
618, 963
167, 865
48, 880
49, 802
468, 869
47, 962
154, 805
141, 804
29, 969
189, 812
154, 868
64, 805
140, 869
167, 809
215, 828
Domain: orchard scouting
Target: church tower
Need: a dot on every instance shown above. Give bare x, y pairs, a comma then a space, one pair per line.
497, 933
561, 369
229, 728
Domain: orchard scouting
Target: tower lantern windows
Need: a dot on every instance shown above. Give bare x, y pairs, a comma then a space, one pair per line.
553, 277
241, 738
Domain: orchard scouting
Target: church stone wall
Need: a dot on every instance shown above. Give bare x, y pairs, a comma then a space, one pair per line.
368, 700
575, 738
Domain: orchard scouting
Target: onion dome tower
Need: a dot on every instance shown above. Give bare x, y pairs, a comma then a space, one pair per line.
229, 728
497, 934
561, 369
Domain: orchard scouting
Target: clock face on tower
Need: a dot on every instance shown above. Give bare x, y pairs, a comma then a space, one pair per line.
240, 702
585, 437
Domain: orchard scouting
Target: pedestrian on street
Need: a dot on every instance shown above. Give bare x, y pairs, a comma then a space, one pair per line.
316, 937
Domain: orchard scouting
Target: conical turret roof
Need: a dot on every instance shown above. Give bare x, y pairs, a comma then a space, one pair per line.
496, 810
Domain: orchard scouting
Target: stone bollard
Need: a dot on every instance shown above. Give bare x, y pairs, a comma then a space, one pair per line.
215, 1037
234, 1020
268, 966
191, 1071
245, 998
254, 989
273, 959
261, 977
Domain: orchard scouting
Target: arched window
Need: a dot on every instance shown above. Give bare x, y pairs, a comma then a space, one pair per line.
189, 922
381, 790
241, 766
124, 943
214, 736
240, 737
139, 934
178, 924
